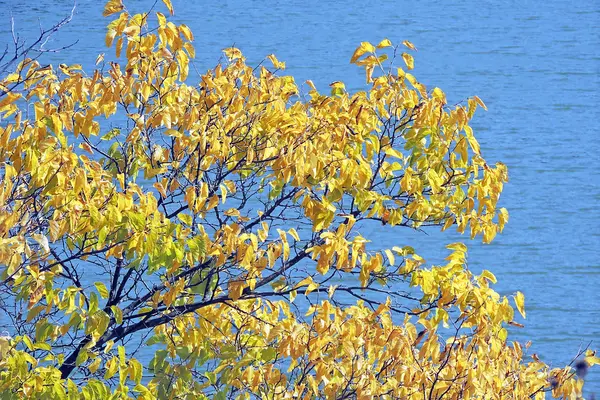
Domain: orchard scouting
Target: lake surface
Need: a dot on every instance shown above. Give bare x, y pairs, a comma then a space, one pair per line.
535, 64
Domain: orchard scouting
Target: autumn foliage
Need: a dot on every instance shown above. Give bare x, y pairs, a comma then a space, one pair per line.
160, 239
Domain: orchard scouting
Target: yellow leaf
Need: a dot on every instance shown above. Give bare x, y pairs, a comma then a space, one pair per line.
390, 256
489, 276
331, 290
472, 141
369, 73
308, 281
161, 189
186, 32
311, 288
276, 63
480, 102
232, 53
169, 6
365, 47
294, 234
132, 31
592, 360
409, 45
42, 241
223, 189
232, 212
448, 223
112, 6
304, 282
439, 95
93, 367
408, 60
337, 89
520, 302
384, 43
435, 181
214, 200
110, 368
457, 246
162, 20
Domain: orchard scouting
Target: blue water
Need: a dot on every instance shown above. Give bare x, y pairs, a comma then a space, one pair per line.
535, 64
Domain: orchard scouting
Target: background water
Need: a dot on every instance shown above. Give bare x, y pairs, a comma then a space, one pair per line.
535, 64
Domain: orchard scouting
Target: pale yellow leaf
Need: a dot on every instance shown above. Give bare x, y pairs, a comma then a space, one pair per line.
520, 302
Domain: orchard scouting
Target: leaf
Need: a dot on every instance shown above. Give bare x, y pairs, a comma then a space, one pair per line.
82, 357
111, 134
236, 288
112, 6
232, 53
384, 43
489, 276
42, 241
390, 256
439, 95
294, 234
331, 290
480, 102
409, 45
276, 63
102, 290
122, 355
268, 354
117, 313
308, 281
365, 47
304, 282
93, 367
111, 367
185, 218
592, 360
408, 60
162, 20
8, 99
135, 370
186, 32
520, 303
169, 6
435, 181
472, 141
457, 246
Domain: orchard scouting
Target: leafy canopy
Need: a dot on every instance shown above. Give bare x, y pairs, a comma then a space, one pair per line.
212, 231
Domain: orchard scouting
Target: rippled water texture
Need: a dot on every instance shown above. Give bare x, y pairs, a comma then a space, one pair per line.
535, 64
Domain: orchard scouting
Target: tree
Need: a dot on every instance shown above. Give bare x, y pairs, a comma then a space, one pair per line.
216, 227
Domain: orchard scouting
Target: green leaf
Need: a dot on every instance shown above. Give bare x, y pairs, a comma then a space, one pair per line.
268, 354
101, 288
118, 314
112, 134
81, 357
